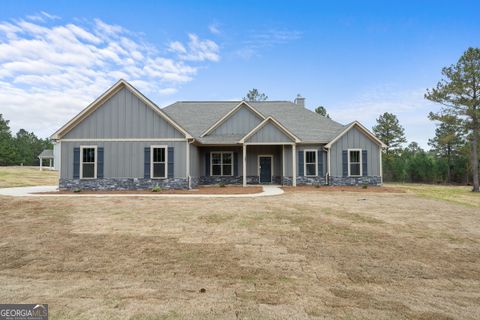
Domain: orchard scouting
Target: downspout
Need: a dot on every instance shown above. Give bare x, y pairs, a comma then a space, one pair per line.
189, 178
327, 174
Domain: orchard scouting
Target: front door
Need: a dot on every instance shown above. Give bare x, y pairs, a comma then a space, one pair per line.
265, 168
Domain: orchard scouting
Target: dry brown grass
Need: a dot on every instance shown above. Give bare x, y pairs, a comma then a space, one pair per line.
302, 255
26, 176
198, 190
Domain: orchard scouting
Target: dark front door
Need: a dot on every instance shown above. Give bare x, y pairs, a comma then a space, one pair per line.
265, 169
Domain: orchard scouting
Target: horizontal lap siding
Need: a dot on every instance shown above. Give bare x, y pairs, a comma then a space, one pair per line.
351, 140
123, 116
123, 159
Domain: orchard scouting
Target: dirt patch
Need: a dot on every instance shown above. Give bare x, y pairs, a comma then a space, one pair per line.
199, 190
369, 189
300, 255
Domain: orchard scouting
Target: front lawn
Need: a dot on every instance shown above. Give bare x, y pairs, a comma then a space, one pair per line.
306, 254
456, 194
26, 176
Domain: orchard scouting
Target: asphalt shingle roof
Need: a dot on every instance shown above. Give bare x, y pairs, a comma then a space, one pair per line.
46, 153
197, 116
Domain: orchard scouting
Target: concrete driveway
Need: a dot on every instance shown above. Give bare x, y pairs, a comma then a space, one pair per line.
33, 192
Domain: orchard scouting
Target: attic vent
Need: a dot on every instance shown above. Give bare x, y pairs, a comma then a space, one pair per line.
300, 101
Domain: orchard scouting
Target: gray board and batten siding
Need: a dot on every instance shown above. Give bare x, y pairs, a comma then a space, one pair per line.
123, 116
240, 122
354, 139
269, 133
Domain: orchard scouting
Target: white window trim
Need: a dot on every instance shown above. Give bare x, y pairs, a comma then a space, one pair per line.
166, 161
305, 162
271, 165
95, 163
360, 160
221, 164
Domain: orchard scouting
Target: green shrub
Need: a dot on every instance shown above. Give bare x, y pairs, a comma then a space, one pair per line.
365, 186
156, 189
222, 185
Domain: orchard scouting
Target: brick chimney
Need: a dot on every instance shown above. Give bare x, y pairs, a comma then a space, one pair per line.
300, 101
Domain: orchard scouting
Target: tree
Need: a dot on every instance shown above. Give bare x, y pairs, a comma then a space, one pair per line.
459, 94
254, 95
447, 141
7, 151
389, 130
322, 111
28, 146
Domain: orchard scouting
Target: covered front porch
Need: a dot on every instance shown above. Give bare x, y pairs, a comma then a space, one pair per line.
247, 164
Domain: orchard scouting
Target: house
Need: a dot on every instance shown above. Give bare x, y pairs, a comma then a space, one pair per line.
124, 141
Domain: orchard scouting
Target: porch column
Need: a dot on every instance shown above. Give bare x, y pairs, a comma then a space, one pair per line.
41, 160
244, 164
50, 163
294, 165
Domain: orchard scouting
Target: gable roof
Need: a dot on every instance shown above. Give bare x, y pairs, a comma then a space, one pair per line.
47, 153
276, 124
107, 95
229, 115
198, 116
359, 126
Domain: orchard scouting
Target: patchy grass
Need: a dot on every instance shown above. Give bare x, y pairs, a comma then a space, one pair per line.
456, 194
26, 176
301, 255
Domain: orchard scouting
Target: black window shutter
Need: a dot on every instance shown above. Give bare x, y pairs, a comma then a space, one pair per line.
100, 163
170, 162
146, 166
345, 162
300, 163
320, 162
76, 163
364, 163
207, 164
235, 164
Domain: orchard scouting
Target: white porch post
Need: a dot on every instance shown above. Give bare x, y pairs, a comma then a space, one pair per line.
244, 164
41, 163
50, 163
294, 165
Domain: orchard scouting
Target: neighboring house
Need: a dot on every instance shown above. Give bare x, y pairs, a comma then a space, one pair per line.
124, 141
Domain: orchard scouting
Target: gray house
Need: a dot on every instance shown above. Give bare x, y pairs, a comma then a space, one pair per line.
124, 141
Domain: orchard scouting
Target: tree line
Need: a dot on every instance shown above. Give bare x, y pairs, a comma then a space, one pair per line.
22, 148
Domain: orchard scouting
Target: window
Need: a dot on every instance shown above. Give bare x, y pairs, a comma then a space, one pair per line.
88, 162
158, 165
221, 163
310, 162
354, 162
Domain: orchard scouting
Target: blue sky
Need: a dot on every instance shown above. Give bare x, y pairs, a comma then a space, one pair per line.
358, 58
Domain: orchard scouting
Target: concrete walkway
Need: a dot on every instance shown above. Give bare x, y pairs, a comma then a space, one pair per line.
32, 192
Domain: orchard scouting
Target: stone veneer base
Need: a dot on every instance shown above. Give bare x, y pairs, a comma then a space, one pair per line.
123, 184
183, 183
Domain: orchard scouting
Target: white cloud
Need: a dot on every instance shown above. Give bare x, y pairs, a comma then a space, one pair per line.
214, 28
409, 105
257, 40
198, 49
50, 70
